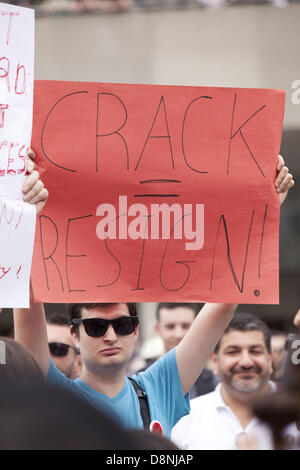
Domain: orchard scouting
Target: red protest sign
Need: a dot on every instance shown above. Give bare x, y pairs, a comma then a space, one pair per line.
157, 193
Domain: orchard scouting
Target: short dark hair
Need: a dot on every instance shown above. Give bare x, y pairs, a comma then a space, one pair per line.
43, 416
20, 367
278, 333
247, 322
58, 319
171, 305
76, 309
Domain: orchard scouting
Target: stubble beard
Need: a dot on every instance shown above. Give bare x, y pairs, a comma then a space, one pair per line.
238, 385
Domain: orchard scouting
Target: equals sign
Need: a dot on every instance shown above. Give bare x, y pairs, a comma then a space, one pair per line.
158, 181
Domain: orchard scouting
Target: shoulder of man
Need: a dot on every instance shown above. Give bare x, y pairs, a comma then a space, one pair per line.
203, 400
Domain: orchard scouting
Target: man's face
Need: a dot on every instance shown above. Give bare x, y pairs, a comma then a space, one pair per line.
243, 363
173, 325
70, 364
110, 352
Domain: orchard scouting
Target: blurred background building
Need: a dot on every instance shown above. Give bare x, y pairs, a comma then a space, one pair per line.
185, 42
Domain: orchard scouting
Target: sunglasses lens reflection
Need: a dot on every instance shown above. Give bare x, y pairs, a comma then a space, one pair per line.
95, 327
124, 326
58, 349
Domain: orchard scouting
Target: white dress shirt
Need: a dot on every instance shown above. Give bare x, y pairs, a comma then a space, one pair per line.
212, 425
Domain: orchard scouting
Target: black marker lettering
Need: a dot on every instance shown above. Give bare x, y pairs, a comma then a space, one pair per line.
115, 258
44, 129
166, 136
262, 239
110, 133
239, 131
72, 256
142, 255
240, 286
185, 263
183, 128
46, 258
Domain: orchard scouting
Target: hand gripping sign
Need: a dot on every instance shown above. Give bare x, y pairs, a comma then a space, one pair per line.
157, 193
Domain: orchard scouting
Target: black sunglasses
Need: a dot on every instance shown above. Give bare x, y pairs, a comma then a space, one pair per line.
97, 327
60, 349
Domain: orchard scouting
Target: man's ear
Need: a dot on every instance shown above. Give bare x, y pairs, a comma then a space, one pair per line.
78, 365
213, 363
156, 328
137, 332
271, 363
74, 335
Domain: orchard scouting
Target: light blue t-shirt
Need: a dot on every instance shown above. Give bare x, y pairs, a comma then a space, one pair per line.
161, 382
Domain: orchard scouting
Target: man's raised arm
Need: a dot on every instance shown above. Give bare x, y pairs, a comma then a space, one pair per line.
29, 323
31, 331
194, 350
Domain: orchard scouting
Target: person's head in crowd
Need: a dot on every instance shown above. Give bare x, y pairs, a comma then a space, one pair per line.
6, 323
296, 320
106, 334
64, 354
173, 320
242, 357
147, 440
17, 364
44, 417
278, 350
281, 409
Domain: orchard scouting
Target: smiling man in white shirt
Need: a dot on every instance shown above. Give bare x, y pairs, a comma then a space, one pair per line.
242, 360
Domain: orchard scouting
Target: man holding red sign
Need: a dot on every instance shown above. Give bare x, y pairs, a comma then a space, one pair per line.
106, 335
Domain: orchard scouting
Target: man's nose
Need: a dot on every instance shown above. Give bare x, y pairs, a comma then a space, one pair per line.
246, 360
179, 333
110, 334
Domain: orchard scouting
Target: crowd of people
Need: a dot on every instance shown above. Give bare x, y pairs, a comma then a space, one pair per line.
65, 384
48, 7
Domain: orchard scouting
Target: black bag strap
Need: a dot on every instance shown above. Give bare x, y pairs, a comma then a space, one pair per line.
143, 400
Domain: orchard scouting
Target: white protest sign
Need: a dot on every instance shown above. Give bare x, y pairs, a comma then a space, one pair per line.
17, 230
17, 219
